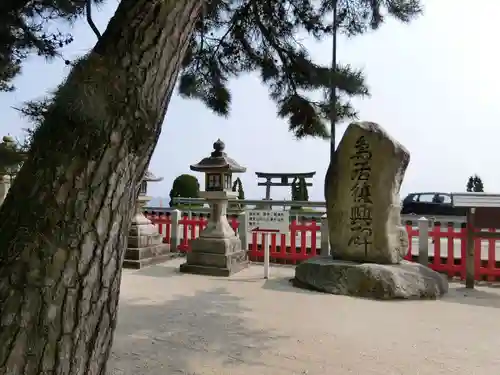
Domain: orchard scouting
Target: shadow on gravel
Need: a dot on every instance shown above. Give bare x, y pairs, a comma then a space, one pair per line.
284, 284
185, 335
160, 270
475, 297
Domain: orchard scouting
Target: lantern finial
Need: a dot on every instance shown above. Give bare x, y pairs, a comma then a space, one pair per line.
219, 147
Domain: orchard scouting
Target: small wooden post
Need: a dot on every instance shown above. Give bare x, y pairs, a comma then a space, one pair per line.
469, 260
175, 230
243, 230
325, 241
423, 241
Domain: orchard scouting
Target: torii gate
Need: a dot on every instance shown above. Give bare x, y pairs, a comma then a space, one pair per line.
284, 180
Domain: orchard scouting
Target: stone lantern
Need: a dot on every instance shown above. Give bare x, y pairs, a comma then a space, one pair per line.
141, 225
11, 159
217, 251
145, 243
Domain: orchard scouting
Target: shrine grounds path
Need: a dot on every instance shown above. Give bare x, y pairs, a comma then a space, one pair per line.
176, 324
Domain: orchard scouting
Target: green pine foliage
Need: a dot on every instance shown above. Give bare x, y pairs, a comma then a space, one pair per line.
231, 38
236, 37
27, 27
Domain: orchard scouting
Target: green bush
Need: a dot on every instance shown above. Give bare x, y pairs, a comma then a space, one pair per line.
185, 186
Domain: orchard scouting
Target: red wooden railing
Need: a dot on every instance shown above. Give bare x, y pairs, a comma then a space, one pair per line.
164, 224
444, 259
279, 251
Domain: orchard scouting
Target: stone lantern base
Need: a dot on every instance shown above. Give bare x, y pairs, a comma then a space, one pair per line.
145, 244
217, 251
215, 257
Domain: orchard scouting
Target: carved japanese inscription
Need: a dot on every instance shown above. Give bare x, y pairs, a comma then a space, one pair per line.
361, 211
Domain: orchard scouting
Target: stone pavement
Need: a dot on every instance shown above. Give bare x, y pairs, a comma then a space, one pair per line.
171, 323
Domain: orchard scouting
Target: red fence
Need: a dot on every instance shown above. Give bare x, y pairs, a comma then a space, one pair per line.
303, 243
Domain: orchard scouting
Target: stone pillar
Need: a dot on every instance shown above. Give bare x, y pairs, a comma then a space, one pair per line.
217, 251
145, 243
4, 187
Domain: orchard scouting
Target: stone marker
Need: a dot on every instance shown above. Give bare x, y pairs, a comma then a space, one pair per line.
367, 240
363, 205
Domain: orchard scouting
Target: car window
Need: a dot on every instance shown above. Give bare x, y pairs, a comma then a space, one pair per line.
445, 198
411, 198
426, 198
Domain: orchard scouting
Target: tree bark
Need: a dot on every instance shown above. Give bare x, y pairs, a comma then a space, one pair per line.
64, 224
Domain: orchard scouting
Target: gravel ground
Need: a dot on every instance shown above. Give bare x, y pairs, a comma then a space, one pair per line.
171, 323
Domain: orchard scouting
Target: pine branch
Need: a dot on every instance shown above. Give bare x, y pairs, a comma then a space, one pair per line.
238, 37
27, 27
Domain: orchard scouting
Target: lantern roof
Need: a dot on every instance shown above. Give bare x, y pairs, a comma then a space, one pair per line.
8, 140
218, 161
150, 177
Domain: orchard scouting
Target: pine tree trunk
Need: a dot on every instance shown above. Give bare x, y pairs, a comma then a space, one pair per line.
63, 226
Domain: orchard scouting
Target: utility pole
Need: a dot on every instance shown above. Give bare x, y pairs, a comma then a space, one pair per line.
333, 87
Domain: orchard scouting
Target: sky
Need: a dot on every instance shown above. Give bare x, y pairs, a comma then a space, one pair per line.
433, 86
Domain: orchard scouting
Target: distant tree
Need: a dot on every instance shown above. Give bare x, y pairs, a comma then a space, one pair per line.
184, 186
299, 192
238, 186
294, 190
478, 184
475, 184
470, 184
303, 193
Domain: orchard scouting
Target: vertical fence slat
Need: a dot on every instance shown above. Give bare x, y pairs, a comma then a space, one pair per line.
293, 245
314, 228
450, 259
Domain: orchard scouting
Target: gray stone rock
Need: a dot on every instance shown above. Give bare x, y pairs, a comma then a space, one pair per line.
406, 280
362, 196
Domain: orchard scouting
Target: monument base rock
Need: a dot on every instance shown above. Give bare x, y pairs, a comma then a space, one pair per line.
405, 280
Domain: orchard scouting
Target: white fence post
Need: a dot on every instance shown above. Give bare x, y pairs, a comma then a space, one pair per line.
267, 251
175, 232
325, 241
243, 230
423, 241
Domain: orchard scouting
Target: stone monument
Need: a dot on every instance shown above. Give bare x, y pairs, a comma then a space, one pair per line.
145, 244
217, 251
366, 237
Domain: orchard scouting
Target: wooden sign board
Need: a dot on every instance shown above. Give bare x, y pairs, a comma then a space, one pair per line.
268, 221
